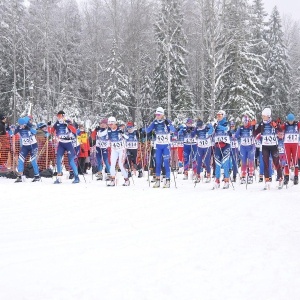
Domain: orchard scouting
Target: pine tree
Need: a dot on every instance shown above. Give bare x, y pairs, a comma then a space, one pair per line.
277, 68
171, 76
116, 91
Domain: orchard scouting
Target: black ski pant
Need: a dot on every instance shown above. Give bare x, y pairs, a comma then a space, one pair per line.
273, 151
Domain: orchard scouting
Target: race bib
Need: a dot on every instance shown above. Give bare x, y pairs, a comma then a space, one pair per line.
204, 143
131, 145
190, 140
292, 138
281, 149
234, 144
179, 143
102, 144
28, 140
222, 139
269, 140
162, 139
117, 145
246, 141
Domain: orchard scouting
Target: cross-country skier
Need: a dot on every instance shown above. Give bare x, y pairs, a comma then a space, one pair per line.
268, 130
162, 128
65, 132
234, 151
29, 145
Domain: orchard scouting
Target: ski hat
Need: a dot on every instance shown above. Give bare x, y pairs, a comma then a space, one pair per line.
245, 119
266, 112
41, 125
189, 121
290, 118
2, 117
221, 112
111, 120
199, 123
61, 112
130, 124
103, 121
22, 121
160, 111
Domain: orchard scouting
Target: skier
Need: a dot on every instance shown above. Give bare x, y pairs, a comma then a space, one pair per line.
116, 138
102, 144
203, 134
221, 149
247, 148
189, 148
291, 130
234, 152
29, 145
65, 132
268, 129
162, 128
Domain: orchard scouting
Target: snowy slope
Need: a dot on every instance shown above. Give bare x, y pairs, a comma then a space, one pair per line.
89, 241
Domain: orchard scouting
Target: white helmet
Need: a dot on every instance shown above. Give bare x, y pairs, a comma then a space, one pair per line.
160, 111
221, 112
111, 120
266, 112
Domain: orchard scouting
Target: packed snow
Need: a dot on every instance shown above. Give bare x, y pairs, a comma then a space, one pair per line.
89, 241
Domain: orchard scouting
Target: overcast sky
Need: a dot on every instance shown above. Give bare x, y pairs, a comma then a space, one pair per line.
288, 7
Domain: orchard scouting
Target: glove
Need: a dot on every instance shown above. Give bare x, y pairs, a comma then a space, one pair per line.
68, 121
49, 123
188, 130
167, 122
253, 122
273, 124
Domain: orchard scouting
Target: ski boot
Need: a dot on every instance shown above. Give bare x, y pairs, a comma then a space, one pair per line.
108, 177
76, 179
58, 179
99, 176
111, 182
208, 178
126, 182
157, 183
19, 179
286, 179
216, 184
140, 174
267, 184
36, 178
250, 180
280, 183
243, 180
198, 178
295, 179
167, 183
185, 175
226, 184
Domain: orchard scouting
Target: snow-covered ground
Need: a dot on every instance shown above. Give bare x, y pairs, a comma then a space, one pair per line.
89, 241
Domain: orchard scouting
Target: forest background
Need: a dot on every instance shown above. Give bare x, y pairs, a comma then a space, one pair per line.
124, 58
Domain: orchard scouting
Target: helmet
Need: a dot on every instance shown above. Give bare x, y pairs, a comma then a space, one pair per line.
290, 118
221, 112
22, 121
266, 112
160, 111
111, 120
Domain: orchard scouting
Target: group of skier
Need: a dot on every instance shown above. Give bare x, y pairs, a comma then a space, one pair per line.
194, 145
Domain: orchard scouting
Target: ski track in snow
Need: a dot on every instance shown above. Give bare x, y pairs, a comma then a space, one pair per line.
89, 241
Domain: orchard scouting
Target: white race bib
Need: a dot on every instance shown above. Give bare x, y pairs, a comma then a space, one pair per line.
247, 141
204, 143
291, 138
222, 138
102, 144
162, 139
234, 144
269, 140
29, 140
117, 145
131, 144
190, 140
